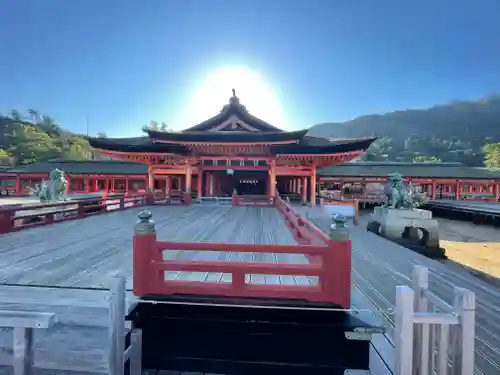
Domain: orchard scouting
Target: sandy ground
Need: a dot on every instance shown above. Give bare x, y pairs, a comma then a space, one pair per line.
475, 246
470, 245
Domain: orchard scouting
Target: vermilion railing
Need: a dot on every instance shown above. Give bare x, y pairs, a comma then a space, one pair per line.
330, 261
17, 217
252, 200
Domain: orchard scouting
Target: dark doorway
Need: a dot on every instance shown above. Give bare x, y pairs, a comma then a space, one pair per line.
245, 182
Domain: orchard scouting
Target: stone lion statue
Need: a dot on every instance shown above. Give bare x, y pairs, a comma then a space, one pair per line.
399, 196
54, 189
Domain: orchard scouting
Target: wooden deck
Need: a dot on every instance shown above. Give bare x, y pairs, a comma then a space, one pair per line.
379, 265
86, 253
64, 268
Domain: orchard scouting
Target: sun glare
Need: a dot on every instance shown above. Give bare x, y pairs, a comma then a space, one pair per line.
254, 93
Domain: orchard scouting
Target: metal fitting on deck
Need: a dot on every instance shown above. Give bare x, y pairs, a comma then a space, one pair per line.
338, 229
145, 225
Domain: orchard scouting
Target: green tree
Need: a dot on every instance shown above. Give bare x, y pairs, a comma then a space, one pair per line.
492, 155
34, 116
79, 149
102, 135
29, 145
50, 126
5, 157
15, 115
425, 158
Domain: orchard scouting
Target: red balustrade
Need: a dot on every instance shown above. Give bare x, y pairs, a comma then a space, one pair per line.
17, 217
252, 200
330, 261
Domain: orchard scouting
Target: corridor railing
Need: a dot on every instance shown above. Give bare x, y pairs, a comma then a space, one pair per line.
431, 336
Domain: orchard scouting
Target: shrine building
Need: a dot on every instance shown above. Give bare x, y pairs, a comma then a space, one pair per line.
233, 151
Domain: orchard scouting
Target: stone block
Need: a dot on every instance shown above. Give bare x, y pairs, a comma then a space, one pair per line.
418, 223
403, 213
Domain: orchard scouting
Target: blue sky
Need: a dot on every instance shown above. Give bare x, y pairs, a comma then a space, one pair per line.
125, 62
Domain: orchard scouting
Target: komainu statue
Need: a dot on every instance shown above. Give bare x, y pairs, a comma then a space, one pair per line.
53, 190
399, 196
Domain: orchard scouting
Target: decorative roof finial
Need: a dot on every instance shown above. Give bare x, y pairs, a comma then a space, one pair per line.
234, 100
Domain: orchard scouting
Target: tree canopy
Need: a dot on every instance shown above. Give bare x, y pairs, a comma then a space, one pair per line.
31, 138
492, 155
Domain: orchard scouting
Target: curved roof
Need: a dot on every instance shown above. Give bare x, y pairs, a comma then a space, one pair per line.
232, 125
313, 145
226, 136
137, 144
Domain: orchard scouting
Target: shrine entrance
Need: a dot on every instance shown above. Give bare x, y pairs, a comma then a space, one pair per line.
245, 182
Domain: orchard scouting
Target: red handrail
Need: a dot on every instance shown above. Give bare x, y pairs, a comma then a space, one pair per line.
331, 263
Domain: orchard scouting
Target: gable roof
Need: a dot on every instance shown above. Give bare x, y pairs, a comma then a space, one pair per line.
237, 111
422, 169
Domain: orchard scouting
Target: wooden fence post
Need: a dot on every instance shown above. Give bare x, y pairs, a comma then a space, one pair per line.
465, 307
420, 280
117, 326
403, 334
338, 259
144, 251
6, 221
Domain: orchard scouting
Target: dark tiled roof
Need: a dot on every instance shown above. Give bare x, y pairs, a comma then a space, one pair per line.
137, 144
226, 136
234, 108
313, 145
382, 169
84, 167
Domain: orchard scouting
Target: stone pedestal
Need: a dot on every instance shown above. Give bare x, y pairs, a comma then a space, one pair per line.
413, 225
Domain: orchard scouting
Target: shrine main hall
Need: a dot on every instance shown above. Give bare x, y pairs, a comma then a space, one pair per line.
233, 152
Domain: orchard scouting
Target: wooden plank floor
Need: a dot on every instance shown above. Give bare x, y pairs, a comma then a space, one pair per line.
379, 265
38, 266
86, 253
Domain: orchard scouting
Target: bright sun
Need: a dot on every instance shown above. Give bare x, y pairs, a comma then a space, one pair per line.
251, 88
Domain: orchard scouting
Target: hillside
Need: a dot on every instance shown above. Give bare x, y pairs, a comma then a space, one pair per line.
452, 132
32, 138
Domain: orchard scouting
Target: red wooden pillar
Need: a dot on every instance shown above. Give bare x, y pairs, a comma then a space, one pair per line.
304, 189
127, 182
497, 191
312, 188
68, 189
433, 190
458, 187
199, 183
18, 184
272, 180
168, 185
206, 193
151, 180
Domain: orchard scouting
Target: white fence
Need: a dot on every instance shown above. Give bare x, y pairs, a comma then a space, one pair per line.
431, 336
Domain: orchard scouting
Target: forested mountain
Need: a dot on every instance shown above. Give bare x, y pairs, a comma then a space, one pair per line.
457, 131
29, 138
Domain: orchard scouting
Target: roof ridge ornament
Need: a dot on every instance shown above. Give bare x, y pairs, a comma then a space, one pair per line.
234, 100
